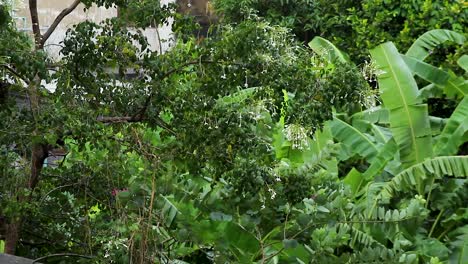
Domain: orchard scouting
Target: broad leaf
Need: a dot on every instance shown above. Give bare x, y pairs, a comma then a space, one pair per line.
355, 180
387, 153
463, 62
374, 115
426, 43
454, 133
357, 141
409, 120
327, 50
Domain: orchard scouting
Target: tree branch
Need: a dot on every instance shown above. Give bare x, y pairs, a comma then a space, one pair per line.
63, 255
57, 21
117, 119
11, 70
35, 23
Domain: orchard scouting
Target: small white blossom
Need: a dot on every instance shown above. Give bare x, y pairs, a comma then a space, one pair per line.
297, 135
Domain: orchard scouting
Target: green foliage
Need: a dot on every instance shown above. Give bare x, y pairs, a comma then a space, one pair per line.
367, 23
246, 147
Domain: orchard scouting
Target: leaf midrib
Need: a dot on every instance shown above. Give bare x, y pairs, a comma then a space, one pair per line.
405, 105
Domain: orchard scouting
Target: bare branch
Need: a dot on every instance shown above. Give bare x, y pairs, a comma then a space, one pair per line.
57, 21
35, 23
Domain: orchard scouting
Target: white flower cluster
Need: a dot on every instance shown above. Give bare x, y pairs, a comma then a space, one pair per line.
370, 71
297, 135
369, 98
114, 244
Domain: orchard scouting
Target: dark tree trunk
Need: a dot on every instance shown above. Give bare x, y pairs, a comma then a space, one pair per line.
12, 236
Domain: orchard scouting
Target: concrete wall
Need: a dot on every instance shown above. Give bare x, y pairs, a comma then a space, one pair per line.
49, 9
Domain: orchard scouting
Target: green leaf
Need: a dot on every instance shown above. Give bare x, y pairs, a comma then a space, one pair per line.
323, 209
454, 133
409, 119
355, 180
218, 216
452, 85
426, 71
463, 62
290, 243
169, 211
438, 168
426, 43
374, 115
327, 50
237, 97
387, 153
353, 138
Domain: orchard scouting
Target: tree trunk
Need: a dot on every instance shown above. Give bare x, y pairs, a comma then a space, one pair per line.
13, 228
12, 236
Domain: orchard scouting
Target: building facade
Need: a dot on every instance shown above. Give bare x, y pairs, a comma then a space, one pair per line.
48, 10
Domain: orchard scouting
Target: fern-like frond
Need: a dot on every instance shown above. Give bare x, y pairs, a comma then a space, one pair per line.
439, 167
359, 239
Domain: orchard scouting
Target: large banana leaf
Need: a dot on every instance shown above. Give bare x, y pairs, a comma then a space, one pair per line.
357, 141
454, 133
463, 62
327, 50
387, 153
426, 71
427, 42
373, 115
453, 86
438, 168
409, 119
356, 180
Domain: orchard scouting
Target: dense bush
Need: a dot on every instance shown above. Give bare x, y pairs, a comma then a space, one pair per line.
367, 23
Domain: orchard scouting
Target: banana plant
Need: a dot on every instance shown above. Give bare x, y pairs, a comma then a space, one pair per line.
403, 117
406, 149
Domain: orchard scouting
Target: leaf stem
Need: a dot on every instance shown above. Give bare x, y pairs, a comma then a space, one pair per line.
435, 223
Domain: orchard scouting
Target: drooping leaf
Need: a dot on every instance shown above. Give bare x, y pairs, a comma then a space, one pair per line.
426, 71
453, 86
357, 141
427, 42
454, 133
409, 120
386, 153
438, 168
327, 50
169, 211
374, 115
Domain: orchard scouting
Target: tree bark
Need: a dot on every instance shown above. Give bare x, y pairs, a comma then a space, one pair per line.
57, 21
35, 23
11, 236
